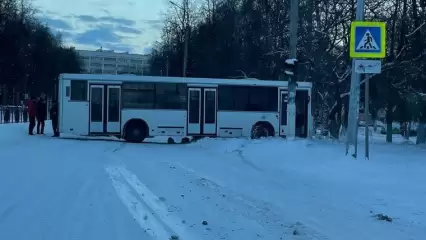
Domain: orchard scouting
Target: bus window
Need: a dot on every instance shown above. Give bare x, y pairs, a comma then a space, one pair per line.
248, 98
78, 90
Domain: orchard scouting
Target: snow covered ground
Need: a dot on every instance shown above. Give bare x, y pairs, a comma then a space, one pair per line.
214, 189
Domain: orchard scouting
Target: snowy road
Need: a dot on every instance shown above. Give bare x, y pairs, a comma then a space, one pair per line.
58, 189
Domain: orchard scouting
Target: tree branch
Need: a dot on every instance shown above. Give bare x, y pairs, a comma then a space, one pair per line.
386, 67
244, 75
415, 30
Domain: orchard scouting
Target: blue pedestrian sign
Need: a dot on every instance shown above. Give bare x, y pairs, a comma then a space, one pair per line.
368, 40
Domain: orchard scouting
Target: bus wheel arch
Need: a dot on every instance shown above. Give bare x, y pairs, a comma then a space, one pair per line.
135, 130
262, 129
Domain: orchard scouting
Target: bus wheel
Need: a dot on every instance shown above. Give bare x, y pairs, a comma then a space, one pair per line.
135, 131
261, 130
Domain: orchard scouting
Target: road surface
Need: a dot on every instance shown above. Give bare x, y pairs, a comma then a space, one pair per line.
54, 189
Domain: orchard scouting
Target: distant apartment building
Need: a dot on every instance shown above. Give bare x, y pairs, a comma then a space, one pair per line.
109, 62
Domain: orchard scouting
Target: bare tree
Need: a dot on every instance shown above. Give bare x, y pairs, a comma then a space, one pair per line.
251, 36
184, 17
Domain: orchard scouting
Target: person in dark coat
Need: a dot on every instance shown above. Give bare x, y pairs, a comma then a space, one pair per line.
32, 112
41, 113
54, 118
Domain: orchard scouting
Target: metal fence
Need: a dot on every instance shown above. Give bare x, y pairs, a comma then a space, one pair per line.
15, 114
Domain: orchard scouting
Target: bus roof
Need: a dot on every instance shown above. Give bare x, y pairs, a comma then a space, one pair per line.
132, 78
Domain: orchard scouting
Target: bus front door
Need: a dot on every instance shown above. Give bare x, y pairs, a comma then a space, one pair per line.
96, 118
202, 108
105, 109
113, 109
302, 112
283, 112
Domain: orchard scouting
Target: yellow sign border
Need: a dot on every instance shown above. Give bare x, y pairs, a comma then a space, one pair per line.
352, 43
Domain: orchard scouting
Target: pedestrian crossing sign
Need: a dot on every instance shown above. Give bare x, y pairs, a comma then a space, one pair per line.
368, 40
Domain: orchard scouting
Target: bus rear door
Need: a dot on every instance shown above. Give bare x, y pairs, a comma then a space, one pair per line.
202, 111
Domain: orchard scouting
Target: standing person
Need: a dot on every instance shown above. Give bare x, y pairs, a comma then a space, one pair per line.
54, 118
41, 113
32, 111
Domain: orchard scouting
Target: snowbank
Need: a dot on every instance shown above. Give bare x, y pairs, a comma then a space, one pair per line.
321, 194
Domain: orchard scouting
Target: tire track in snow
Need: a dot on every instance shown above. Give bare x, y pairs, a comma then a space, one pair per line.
138, 210
151, 214
265, 213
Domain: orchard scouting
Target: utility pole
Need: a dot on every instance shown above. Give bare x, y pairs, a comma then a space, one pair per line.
167, 52
185, 9
352, 133
292, 83
167, 65
185, 53
186, 26
25, 77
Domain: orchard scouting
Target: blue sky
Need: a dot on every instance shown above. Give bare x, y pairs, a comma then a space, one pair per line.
122, 25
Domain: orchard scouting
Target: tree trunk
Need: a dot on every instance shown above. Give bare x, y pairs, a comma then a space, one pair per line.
389, 120
391, 57
375, 125
389, 132
4, 95
334, 126
185, 52
407, 129
421, 133
342, 132
343, 126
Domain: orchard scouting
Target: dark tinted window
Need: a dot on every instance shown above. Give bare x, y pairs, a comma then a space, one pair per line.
138, 95
225, 98
114, 105
210, 107
170, 96
78, 90
284, 101
248, 98
240, 98
301, 101
67, 91
96, 104
264, 98
154, 95
194, 106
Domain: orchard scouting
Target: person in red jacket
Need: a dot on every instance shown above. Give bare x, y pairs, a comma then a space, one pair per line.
32, 112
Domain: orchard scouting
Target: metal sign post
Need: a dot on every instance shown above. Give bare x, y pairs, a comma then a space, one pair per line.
352, 131
367, 67
292, 83
367, 115
368, 40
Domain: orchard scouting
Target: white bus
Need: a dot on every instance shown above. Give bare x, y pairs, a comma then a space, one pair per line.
139, 107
